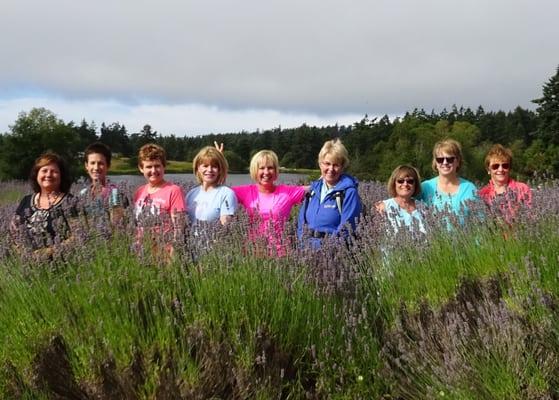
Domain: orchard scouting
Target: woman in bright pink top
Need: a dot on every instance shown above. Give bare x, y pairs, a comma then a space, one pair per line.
158, 204
267, 204
504, 193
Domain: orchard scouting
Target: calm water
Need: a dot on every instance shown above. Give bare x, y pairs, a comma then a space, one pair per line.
232, 179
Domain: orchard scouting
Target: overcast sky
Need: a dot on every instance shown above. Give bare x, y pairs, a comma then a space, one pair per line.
196, 67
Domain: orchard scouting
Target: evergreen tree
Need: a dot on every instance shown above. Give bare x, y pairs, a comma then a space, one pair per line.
116, 137
548, 111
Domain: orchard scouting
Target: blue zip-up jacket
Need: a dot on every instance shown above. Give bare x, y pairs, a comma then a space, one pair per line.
325, 218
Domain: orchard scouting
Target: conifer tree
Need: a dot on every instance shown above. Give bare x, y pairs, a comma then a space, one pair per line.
548, 111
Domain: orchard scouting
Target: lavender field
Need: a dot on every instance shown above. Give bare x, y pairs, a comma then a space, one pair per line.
470, 313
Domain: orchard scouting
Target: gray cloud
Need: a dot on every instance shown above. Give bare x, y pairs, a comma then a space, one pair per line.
318, 57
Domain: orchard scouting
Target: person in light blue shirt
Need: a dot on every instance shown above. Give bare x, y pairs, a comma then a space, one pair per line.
218, 203
448, 192
211, 200
402, 211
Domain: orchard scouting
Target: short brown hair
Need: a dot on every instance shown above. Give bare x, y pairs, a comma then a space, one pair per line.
46, 158
256, 159
151, 152
500, 152
451, 147
214, 157
98, 148
402, 171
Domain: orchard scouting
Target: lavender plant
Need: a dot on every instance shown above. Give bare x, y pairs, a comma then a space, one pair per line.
463, 313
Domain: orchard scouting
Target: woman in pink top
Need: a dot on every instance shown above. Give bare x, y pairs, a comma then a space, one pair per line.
504, 193
267, 204
158, 203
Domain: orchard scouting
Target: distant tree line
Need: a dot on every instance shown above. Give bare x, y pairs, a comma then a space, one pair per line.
376, 145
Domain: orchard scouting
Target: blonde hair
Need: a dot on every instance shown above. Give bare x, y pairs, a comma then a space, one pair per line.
336, 149
449, 146
211, 156
263, 155
499, 152
402, 171
151, 152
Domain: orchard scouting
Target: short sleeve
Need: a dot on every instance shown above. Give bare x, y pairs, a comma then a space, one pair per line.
176, 199
228, 204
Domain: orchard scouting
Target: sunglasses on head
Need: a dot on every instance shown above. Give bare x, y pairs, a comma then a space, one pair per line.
449, 160
496, 166
409, 181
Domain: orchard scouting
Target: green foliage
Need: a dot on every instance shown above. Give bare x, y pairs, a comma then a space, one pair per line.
211, 322
375, 145
236, 163
548, 111
116, 137
32, 134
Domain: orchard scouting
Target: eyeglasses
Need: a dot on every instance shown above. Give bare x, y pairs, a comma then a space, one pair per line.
441, 160
496, 166
409, 181
327, 164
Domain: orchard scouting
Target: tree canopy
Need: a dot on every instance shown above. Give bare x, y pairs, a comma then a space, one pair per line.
375, 145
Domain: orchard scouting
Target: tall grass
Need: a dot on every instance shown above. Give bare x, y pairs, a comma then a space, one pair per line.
464, 314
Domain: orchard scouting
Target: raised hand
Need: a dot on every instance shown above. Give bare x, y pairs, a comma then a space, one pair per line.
219, 146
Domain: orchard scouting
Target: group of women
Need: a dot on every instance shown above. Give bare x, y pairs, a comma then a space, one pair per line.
451, 194
330, 205
329, 208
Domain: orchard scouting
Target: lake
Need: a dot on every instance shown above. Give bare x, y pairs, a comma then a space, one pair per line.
232, 179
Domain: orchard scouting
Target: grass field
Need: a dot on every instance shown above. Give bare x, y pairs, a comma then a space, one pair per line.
121, 166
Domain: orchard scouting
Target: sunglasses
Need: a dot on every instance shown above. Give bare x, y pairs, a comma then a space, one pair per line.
409, 181
496, 166
441, 160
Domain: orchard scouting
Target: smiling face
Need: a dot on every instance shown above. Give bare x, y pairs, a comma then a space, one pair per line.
153, 171
499, 170
330, 169
96, 167
447, 164
404, 186
266, 174
48, 178
208, 172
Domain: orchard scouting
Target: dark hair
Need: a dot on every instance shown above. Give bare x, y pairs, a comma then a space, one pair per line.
46, 158
98, 148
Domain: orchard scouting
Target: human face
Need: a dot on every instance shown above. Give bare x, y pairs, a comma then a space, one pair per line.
96, 167
153, 171
266, 174
330, 170
48, 178
405, 186
499, 170
208, 172
446, 163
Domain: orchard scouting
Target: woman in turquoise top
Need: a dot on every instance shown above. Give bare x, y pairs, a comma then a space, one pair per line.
402, 210
448, 192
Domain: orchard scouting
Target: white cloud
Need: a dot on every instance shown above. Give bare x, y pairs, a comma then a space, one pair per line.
290, 58
178, 119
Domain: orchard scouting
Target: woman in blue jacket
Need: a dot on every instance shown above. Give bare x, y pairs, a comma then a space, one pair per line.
332, 205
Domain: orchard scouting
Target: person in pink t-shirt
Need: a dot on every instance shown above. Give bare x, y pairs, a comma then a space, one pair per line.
158, 204
503, 193
267, 204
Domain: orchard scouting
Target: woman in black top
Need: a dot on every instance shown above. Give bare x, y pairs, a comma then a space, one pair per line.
41, 218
